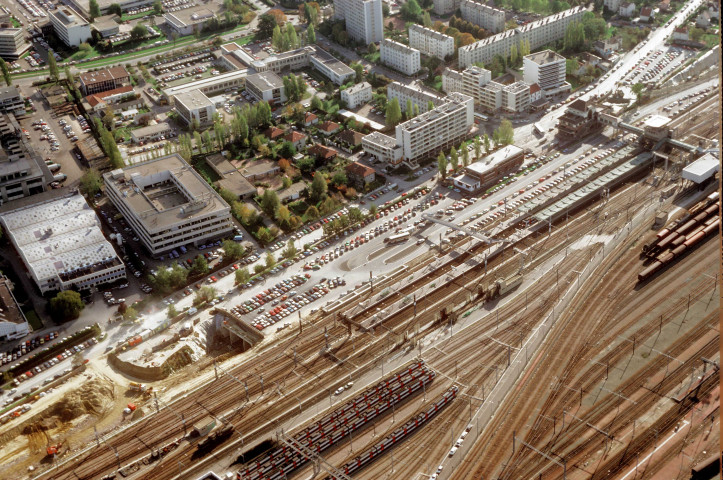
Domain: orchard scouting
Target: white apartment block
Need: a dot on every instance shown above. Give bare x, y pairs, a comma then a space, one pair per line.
487, 17
425, 135
400, 57
470, 81
12, 43
356, 95
195, 106
431, 42
612, 5
545, 68
168, 204
443, 7
417, 96
538, 34
70, 28
363, 18
61, 244
514, 98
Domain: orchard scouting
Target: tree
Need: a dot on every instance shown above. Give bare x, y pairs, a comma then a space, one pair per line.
695, 33
454, 159
572, 66
426, 19
66, 305
157, 7
293, 39
242, 275
266, 25
638, 89
270, 260
116, 9
264, 235
486, 140
574, 37
53, 68
411, 11
477, 148
442, 165
339, 178
505, 133
310, 34
199, 265
286, 182
205, 294
513, 55
91, 182
290, 251
311, 213
318, 189
232, 250
465, 155
93, 9
172, 312
316, 103
6, 72
359, 70
270, 202
287, 150
393, 113
276, 39
130, 313
373, 209
139, 32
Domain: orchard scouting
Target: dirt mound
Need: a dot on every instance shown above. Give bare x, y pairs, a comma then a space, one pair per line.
42, 425
93, 397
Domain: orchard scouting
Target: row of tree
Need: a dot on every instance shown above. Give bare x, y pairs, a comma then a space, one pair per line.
503, 135
295, 87
468, 27
286, 40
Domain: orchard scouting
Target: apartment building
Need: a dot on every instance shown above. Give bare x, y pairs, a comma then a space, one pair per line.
425, 135
400, 57
486, 16
545, 68
12, 43
103, 80
539, 33
61, 244
612, 5
70, 28
196, 106
443, 7
470, 81
11, 101
431, 42
266, 86
514, 98
411, 93
356, 95
168, 204
363, 19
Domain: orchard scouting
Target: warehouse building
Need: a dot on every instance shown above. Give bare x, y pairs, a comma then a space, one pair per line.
168, 204
61, 244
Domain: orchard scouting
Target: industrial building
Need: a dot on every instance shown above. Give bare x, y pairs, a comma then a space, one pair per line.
363, 19
195, 106
431, 42
70, 28
188, 21
13, 324
400, 57
486, 16
61, 244
168, 204
537, 34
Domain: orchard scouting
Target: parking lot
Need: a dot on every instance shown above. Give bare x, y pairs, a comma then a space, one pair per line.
656, 65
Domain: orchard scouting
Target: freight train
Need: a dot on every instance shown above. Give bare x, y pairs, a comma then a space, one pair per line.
334, 427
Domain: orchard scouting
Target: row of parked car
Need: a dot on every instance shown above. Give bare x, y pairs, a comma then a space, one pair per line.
291, 305
26, 347
54, 361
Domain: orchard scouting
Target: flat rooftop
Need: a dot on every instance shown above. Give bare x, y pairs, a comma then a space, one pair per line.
58, 236
190, 16
544, 57
265, 81
657, 121
9, 310
702, 169
378, 138
164, 192
493, 159
193, 99
454, 101
331, 62
205, 82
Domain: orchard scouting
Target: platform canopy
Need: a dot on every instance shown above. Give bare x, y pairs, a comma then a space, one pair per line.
702, 169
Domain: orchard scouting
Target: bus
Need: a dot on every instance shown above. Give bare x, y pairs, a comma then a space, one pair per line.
480, 118
398, 238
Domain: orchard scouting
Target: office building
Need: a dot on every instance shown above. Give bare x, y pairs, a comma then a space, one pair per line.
356, 95
151, 133
400, 57
103, 80
61, 244
330, 66
423, 100
425, 135
536, 34
106, 25
188, 21
22, 171
225, 82
487, 17
12, 42
547, 69
168, 204
470, 81
11, 101
196, 106
70, 28
266, 86
486, 172
431, 42
443, 7
363, 19
13, 324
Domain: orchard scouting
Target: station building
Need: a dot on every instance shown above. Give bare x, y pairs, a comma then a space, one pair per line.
484, 173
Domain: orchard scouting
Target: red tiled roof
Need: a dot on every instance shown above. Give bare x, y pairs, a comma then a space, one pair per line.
294, 136
359, 170
322, 151
352, 137
534, 88
329, 126
273, 132
96, 98
310, 117
90, 78
646, 11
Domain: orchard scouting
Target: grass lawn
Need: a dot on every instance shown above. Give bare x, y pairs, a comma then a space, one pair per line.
372, 57
137, 15
710, 40
181, 81
33, 319
79, 55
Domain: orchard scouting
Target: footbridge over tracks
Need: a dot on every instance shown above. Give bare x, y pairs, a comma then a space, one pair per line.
236, 327
471, 233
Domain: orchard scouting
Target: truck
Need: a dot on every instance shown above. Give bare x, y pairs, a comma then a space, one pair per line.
136, 387
398, 238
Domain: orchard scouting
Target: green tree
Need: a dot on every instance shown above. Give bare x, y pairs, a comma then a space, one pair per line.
293, 38
574, 38
695, 33
290, 251
426, 19
270, 260
93, 9
270, 202
264, 235
638, 89
477, 148
6, 72
442, 165
311, 213
139, 32
199, 265
66, 305
411, 11
205, 294
242, 275
393, 113
316, 103
232, 250
267, 23
310, 34
339, 178
130, 313
358, 70
157, 7
465, 155
373, 209
172, 312
286, 182
318, 189
53, 68
116, 9
486, 140
409, 109
513, 55
572, 66
454, 159
91, 182
505, 134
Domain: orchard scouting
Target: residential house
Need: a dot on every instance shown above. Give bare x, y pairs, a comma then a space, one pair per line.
681, 33
535, 93
647, 14
297, 139
273, 133
293, 192
703, 20
325, 154
627, 9
329, 128
310, 119
360, 175
350, 140
664, 6
608, 46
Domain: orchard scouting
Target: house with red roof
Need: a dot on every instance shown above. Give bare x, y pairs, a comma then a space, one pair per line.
310, 119
359, 174
329, 128
323, 153
297, 139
